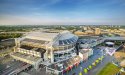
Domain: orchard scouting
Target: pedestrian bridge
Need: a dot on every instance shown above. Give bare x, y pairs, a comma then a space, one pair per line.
115, 38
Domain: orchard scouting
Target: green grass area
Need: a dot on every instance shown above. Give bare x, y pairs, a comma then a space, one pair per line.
109, 69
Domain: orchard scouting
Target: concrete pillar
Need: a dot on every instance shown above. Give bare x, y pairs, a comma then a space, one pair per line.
36, 66
46, 70
46, 55
52, 56
16, 41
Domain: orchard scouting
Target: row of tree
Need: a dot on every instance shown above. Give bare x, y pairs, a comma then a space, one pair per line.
9, 35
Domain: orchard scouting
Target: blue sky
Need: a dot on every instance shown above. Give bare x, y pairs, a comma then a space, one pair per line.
62, 12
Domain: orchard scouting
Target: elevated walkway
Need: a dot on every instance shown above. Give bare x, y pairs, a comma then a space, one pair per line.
35, 61
115, 38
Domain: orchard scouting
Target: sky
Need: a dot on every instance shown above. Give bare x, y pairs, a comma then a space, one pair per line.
67, 12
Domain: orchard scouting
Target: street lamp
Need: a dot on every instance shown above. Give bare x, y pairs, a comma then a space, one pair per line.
81, 68
81, 71
102, 54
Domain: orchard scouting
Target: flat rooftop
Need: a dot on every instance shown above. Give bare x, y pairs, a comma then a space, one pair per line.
11, 66
25, 57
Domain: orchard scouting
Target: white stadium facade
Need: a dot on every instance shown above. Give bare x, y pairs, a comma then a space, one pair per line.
44, 48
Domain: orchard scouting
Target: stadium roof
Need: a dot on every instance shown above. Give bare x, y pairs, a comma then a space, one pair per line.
55, 39
49, 36
42, 36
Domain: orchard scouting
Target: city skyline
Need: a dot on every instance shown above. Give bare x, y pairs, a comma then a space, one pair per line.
62, 12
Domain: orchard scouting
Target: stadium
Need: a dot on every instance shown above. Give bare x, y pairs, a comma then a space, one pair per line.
44, 47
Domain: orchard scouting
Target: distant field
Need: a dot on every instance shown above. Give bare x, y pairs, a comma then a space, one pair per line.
14, 28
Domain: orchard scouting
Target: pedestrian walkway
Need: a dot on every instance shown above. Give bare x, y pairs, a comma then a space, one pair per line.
85, 66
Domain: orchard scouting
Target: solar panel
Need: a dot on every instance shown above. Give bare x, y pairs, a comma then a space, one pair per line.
73, 39
60, 42
65, 42
69, 41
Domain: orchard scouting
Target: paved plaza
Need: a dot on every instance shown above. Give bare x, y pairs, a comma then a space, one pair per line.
97, 53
